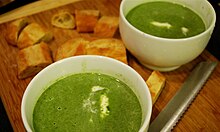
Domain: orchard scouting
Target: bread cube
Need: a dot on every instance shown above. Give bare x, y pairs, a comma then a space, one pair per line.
109, 47
33, 34
33, 59
73, 47
106, 26
86, 20
64, 20
13, 30
156, 83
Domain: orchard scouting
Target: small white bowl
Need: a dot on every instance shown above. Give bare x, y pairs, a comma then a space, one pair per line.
165, 54
82, 64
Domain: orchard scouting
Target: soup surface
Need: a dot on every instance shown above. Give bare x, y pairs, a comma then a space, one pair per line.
87, 102
165, 19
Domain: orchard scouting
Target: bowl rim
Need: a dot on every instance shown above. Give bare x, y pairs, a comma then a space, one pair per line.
28, 88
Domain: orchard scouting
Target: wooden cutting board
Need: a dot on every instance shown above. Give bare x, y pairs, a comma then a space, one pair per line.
202, 115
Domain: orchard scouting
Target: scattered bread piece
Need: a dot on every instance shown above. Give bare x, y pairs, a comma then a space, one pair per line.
33, 59
33, 34
13, 30
86, 20
156, 83
64, 20
70, 48
109, 47
106, 26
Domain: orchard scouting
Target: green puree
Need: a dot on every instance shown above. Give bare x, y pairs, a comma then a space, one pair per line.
165, 19
87, 102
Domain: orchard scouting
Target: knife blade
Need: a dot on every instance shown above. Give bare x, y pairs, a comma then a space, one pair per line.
175, 108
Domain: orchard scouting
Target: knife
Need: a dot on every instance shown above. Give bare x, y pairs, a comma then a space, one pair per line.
175, 108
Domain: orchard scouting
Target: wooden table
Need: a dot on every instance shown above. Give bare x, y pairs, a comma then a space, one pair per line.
202, 115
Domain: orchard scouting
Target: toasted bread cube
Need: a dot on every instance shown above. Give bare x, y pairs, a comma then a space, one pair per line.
33, 59
70, 48
64, 20
109, 47
156, 83
13, 30
86, 20
106, 26
33, 34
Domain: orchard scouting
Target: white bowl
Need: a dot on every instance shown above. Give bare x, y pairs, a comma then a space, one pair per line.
165, 54
82, 64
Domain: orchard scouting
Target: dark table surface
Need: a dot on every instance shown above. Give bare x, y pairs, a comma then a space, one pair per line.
214, 43
213, 47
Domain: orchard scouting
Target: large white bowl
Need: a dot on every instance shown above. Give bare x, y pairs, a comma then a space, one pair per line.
82, 64
161, 53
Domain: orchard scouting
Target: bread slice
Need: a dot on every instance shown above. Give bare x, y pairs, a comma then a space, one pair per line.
86, 20
106, 26
109, 47
33, 34
64, 20
33, 59
70, 48
156, 83
13, 30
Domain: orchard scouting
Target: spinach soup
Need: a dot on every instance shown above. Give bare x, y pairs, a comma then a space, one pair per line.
87, 102
166, 19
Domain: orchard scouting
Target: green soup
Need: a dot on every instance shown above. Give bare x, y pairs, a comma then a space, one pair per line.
87, 102
165, 19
